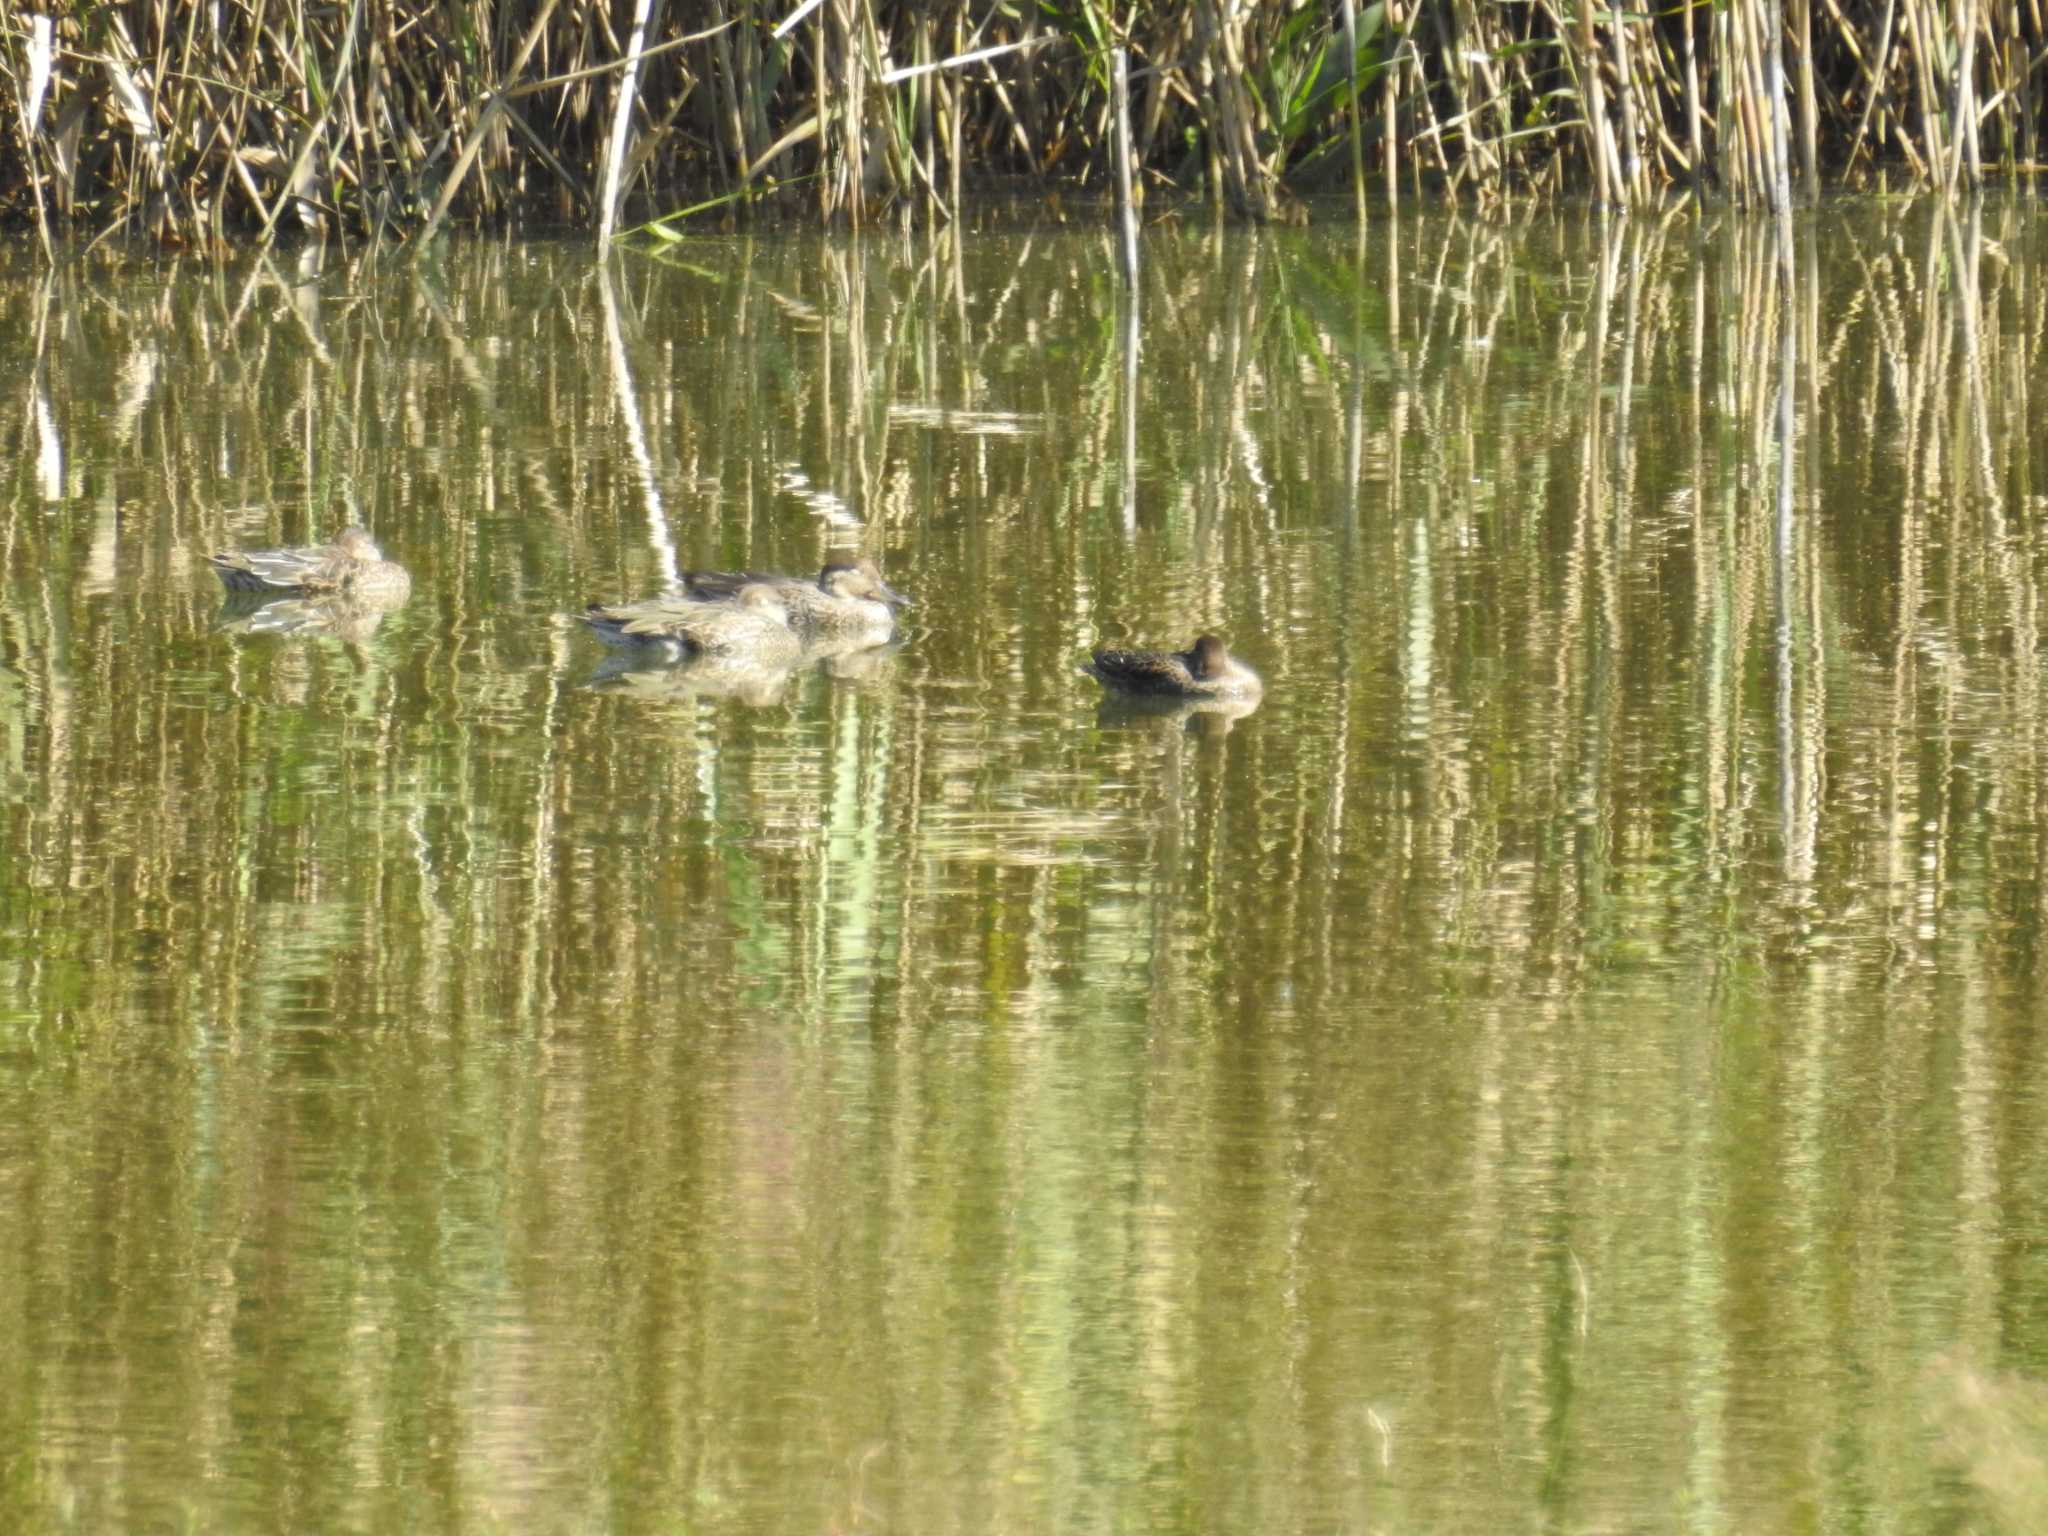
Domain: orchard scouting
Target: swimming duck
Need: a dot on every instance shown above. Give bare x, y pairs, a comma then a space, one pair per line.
1205, 670
352, 566
753, 622
849, 603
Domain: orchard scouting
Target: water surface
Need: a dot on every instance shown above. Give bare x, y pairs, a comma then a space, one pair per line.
1571, 1058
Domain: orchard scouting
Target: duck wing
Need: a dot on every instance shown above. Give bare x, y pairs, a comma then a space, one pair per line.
1143, 671
274, 570
716, 586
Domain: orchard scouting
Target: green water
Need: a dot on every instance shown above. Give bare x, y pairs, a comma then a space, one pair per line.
1571, 1059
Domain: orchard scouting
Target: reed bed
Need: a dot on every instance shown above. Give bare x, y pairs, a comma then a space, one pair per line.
367, 118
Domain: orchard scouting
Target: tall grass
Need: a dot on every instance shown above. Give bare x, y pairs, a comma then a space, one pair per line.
191, 123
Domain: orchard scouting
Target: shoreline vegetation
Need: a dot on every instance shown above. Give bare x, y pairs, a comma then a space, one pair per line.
210, 125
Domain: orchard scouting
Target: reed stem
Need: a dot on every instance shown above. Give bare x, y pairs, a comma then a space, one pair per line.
622, 122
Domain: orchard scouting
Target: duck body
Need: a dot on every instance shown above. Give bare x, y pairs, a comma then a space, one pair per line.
352, 567
849, 605
1205, 670
752, 623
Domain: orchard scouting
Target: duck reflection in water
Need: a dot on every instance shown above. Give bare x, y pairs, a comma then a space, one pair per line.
344, 618
1210, 719
852, 662
648, 672
644, 673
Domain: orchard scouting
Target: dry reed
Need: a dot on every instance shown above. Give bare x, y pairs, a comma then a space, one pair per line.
193, 124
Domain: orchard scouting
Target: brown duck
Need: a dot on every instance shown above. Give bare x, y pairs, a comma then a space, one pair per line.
753, 622
1205, 670
352, 567
849, 603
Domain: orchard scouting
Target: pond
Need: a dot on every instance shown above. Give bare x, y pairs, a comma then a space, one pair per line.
1571, 1057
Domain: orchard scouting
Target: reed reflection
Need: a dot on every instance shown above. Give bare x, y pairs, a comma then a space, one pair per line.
960, 1093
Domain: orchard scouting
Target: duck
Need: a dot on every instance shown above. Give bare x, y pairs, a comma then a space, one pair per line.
1205, 670
753, 622
848, 605
352, 567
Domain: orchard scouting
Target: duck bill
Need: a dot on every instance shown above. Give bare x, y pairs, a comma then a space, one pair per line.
894, 598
